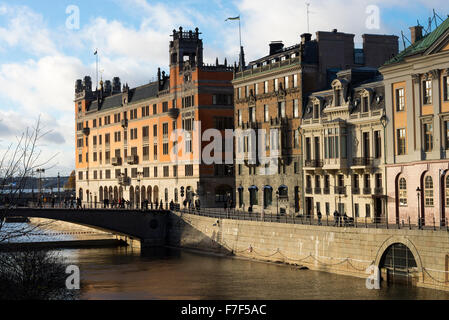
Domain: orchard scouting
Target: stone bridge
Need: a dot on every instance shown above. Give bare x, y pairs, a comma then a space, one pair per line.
147, 226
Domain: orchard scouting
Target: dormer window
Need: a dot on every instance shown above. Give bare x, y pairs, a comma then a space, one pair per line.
365, 104
337, 97
316, 111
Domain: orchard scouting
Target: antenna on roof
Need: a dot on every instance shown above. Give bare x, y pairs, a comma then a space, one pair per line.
308, 12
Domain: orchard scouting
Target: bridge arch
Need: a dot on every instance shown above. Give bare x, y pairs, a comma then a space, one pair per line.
399, 243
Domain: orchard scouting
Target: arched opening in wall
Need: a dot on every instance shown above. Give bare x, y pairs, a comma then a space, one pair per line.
189, 194
401, 195
149, 194
156, 194
144, 193
87, 196
422, 198
240, 190
166, 195
100, 192
131, 195
137, 197
105, 193
267, 196
398, 265
253, 196
80, 194
223, 194
111, 195
115, 194
176, 195
120, 192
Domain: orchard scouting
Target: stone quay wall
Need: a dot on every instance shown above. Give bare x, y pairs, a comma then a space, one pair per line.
345, 251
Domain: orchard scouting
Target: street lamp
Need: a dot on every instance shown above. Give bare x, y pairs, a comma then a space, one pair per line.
139, 179
418, 192
40, 171
384, 122
277, 202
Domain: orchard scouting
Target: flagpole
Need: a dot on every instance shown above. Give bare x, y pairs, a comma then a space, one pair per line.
240, 34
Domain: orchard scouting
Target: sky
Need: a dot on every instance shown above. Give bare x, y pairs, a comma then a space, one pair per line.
46, 45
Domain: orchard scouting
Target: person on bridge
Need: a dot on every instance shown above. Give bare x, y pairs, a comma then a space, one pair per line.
319, 217
336, 218
161, 206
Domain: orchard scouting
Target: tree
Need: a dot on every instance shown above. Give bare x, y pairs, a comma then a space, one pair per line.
25, 273
71, 183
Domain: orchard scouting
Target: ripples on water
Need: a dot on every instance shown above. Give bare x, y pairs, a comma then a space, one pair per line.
172, 274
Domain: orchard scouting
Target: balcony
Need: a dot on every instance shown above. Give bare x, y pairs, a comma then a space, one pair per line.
279, 122
124, 181
313, 164
335, 164
116, 161
362, 162
340, 190
134, 159
366, 190
378, 191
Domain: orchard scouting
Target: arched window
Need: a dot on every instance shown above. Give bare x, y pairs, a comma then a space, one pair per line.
253, 195
402, 192
283, 191
267, 196
428, 191
447, 191
166, 195
176, 195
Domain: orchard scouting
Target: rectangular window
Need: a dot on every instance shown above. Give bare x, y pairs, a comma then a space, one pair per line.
276, 85
281, 109
189, 170
166, 171
446, 88
286, 84
356, 210
252, 114
400, 99
239, 117
155, 152
155, 172
427, 92
368, 210
295, 81
446, 135
265, 87
155, 130
154, 108
401, 142
377, 144
266, 113
165, 148
146, 172
165, 130
296, 108
165, 106
256, 88
146, 153
365, 104
239, 93
175, 171
428, 137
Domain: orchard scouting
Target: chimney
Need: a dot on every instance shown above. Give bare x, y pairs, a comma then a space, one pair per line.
305, 37
416, 33
276, 46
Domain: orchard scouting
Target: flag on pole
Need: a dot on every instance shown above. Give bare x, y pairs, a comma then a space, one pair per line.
236, 18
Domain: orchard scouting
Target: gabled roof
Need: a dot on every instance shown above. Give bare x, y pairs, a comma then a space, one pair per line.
422, 45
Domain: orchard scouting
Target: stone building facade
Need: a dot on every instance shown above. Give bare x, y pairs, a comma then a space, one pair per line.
343, 145
270, 95
124, 138
417, 97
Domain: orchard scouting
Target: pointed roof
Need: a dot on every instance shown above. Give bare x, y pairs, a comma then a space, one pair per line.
420, 46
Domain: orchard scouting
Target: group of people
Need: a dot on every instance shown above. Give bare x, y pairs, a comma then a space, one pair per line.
340, 220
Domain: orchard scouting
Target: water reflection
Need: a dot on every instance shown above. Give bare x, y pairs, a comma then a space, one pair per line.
172, 274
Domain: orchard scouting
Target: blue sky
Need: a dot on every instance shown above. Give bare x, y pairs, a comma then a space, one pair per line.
40, 58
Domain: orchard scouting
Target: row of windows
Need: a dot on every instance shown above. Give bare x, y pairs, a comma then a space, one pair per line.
340, 181
428, 191
255, 89
281, 112
133, 114
98, 174
426, 93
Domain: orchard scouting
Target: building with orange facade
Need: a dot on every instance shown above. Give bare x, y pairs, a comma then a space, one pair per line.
126, 142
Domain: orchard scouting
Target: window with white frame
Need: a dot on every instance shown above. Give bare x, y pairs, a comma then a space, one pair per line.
266, 113
296, 108
428, 191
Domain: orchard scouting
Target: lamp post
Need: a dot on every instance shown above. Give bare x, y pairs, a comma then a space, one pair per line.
277, 203
418, 192
139, 179
384, 122
59, 190
40, 171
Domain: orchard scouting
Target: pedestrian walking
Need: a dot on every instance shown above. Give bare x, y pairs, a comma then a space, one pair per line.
319, 217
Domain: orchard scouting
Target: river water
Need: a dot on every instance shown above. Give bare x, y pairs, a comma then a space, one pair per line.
173, 274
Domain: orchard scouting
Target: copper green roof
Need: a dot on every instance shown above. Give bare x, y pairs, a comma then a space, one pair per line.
421, 45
